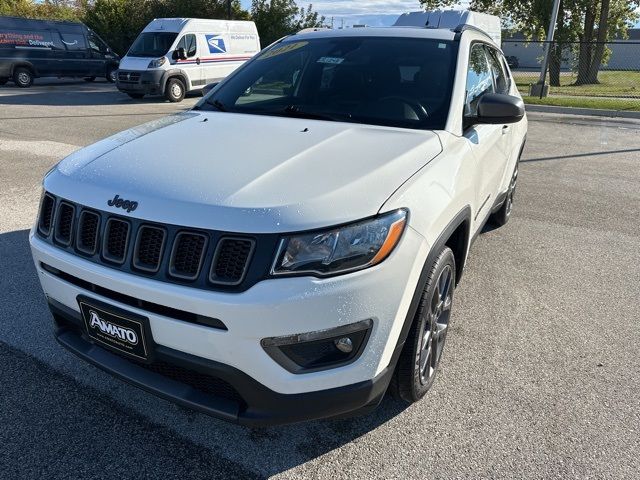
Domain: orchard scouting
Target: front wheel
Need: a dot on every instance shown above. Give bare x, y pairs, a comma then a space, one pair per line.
23, 77
175, 90
420, 357
112, 75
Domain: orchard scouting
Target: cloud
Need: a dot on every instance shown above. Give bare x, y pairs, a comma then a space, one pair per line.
368, 8
368, 12
348, 8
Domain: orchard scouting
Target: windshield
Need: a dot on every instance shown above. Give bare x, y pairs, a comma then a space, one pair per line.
404, 82
152, 44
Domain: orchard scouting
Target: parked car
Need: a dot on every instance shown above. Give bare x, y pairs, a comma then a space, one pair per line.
173, 56
512, 61
45, 48
289, 248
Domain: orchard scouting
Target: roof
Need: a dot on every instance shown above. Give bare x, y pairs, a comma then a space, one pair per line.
404, 32
33, 23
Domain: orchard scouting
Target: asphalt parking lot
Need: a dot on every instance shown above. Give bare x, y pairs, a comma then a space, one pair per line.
541, 376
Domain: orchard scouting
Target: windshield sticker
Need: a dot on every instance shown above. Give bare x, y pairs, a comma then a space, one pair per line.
289, 47
442, 45
331, 60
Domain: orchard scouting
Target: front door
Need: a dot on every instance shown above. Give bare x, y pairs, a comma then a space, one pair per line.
192, 64
488, 142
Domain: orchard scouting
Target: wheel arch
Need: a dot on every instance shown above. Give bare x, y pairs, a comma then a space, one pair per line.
456, 236
175, 73
24, 64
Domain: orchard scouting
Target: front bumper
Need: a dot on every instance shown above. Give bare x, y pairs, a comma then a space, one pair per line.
147, 82
237, 398
285, 306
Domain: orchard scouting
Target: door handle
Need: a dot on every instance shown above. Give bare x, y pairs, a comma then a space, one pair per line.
198, 60
505, 129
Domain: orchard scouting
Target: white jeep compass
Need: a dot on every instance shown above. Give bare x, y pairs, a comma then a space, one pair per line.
288, 249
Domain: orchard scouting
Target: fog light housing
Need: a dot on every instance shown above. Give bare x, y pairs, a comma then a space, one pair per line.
320, 350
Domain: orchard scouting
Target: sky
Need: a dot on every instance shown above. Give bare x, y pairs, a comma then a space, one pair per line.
369, 12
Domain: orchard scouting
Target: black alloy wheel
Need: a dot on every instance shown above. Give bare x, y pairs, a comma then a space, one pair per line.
422, 352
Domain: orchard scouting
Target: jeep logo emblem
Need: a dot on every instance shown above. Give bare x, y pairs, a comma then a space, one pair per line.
108, 328
128, 205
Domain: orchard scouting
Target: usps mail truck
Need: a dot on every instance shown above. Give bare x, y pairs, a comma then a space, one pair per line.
173, 56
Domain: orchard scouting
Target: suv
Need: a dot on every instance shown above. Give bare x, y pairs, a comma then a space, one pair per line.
296, 255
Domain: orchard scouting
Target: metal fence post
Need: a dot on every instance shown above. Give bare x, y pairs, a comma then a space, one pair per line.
547, 47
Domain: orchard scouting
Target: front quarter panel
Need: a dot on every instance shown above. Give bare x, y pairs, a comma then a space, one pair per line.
440, 190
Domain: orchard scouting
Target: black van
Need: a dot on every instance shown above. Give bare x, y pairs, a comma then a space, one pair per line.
44, 48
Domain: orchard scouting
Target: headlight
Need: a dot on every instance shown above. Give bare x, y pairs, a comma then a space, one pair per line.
158, 62
341, 249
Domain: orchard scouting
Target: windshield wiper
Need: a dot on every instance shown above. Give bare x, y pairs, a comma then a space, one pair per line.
296, 112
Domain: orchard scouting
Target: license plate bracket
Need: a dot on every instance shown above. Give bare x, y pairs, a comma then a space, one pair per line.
124, 332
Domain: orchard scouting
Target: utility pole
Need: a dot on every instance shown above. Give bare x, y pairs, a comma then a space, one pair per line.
228, 9
538, 88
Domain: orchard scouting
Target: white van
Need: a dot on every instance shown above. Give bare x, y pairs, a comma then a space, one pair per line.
173, 56
490, 24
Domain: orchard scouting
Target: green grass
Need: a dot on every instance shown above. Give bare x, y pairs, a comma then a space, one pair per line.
614, 83
587, 102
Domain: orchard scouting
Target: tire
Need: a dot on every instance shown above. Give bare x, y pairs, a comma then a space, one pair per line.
136, 96
502, 215
422, 352
23, 77
175, 90
89, 79
112, 74
3, 81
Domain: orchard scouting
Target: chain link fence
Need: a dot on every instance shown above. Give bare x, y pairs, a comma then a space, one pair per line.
589, 74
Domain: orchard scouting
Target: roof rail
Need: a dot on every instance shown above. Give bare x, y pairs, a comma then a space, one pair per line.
465, 26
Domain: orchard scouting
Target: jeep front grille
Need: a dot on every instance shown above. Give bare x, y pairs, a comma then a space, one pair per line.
88, 229
149, 248
65, 217
187, 255
230, 261
170, 253
45, 219
116, 240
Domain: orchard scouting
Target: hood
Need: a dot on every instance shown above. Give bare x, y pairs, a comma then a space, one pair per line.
245, 173
135, 63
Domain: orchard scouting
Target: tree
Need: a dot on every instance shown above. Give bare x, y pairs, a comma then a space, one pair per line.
590, 22
47, 9
277, 18
120, 21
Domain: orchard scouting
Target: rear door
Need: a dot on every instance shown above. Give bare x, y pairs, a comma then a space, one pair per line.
488, 142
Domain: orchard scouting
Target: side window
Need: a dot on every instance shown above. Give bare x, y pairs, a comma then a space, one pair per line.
73, 41
497, 68
96, 44
188, 42
279, 83
479, 79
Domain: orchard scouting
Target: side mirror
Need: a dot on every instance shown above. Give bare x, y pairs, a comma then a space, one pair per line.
179, 54
494, 108
207, 88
